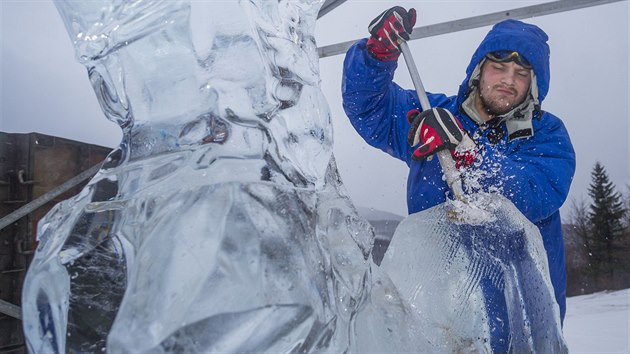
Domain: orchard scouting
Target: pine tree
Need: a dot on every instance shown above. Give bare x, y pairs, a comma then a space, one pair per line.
581, 228
606, 217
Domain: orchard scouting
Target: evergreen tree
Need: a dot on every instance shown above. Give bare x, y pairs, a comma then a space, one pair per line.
580, 226
606, 217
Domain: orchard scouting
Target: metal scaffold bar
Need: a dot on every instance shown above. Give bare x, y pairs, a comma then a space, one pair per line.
8, 308
479, 21
328, 6
48, 196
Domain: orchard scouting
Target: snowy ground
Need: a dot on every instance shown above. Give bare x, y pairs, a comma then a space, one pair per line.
598, 323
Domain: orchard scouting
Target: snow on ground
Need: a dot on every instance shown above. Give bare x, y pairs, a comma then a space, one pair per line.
598, 323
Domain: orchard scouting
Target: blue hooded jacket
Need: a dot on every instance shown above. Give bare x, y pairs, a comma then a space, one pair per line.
533, 169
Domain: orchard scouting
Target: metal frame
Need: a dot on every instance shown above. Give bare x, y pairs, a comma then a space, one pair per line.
478, 21
8, 308
328, 6
48, 196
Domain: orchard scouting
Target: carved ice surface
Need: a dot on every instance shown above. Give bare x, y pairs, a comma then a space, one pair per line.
220, 223
476, 288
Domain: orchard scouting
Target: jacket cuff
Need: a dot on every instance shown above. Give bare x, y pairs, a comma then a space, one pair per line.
371, 61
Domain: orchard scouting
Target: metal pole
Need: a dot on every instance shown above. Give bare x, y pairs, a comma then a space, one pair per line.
415, 76
48, 196
328, 6
478, 21
8, 308
446, 161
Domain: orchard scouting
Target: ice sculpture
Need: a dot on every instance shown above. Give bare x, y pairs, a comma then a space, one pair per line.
220, 223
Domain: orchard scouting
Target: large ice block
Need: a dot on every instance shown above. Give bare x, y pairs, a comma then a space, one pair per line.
476, 278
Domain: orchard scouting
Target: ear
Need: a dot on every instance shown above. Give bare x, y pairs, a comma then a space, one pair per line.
476, 75
533, 88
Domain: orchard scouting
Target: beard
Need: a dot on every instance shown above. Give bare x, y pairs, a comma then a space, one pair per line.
495, 106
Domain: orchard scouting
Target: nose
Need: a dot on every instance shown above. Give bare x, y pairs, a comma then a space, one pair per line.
509, 77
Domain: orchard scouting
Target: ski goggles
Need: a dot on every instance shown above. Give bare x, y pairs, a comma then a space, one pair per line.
503, 56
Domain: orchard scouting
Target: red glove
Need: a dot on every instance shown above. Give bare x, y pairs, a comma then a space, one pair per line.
437, 129
387, 29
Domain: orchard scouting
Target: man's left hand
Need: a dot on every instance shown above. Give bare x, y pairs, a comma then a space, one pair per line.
387, 30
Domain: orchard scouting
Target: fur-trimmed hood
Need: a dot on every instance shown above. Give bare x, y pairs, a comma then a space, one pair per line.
527, 39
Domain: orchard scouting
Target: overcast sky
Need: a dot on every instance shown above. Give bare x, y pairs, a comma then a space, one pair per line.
45, 90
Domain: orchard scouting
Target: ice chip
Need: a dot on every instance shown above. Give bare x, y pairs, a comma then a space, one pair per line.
473, 209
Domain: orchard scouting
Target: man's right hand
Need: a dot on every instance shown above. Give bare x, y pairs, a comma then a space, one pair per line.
437, 129
390, 27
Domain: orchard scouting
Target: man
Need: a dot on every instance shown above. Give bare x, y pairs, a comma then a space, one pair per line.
494, 127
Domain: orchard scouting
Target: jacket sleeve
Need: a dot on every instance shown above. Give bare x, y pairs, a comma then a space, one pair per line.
376, 106
536, 173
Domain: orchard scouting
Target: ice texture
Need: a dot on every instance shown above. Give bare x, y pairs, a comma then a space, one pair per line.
476, 287
220, 223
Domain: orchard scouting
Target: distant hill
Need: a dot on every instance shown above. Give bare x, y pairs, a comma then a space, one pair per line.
375, 214
384, 224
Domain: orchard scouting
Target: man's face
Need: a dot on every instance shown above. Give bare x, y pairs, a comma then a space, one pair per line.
502, 86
